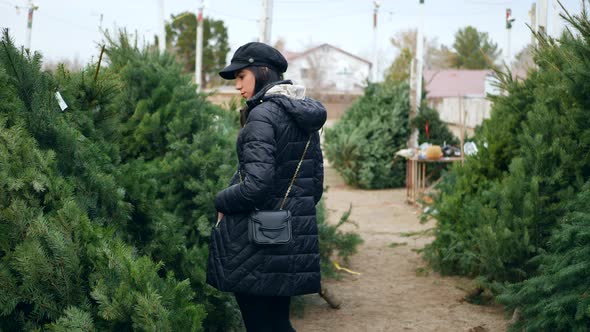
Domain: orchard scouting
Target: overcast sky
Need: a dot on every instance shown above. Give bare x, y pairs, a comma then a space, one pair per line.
70, 29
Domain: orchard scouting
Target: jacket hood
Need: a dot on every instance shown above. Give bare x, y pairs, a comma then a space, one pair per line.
310, 115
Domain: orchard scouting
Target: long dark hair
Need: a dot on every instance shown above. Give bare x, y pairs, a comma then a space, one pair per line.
263, 76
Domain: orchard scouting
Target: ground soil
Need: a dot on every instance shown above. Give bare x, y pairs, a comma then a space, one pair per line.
396, 291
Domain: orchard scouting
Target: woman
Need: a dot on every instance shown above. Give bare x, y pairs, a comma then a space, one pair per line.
277, 123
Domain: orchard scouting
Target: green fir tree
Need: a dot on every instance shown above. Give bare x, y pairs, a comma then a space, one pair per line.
65, 189
506, 214
362, 144
54, 260
557, 298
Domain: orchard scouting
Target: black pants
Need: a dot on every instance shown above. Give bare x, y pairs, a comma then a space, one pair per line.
265, 313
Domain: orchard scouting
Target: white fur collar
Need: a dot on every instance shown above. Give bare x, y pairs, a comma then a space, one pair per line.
289, 90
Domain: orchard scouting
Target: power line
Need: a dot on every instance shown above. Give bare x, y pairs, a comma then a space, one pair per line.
10, 4
13, 5
231, 16
490, 3
295, 2
306, 2
65, 21
293, 18
62, 20
479, 12
358, 13
448, 14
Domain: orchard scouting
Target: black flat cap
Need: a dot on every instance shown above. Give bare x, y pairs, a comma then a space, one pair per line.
254, 54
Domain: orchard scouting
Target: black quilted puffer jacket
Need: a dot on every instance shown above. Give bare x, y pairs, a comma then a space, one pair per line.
279, 122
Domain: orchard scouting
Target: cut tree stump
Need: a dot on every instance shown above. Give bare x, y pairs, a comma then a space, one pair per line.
332, 300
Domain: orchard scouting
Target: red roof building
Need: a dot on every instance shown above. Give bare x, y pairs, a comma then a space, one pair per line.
456, 82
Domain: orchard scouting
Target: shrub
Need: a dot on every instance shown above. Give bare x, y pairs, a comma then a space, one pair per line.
334, 242
497, 214
362, 144
557, 298
438, 131
115, 209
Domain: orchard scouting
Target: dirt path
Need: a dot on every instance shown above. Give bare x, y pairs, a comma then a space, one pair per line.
390, 295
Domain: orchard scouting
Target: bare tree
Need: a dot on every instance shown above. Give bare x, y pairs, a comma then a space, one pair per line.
70, 64
314, 75
435, 57
523, 60
280, 44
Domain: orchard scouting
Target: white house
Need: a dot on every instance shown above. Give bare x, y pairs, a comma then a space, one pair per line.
328, 69
459, 96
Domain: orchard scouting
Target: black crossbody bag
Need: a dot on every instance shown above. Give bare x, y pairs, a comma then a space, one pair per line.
273, 227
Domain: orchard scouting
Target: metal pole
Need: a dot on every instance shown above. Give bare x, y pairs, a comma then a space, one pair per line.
411, 141
269, 8
557, 24
162, 26
262, 22
265, 21
419, 68
420, 57
542, 16
508, 55
32, 8
509, 20
375, 34
462, 134
199, 53
533, 15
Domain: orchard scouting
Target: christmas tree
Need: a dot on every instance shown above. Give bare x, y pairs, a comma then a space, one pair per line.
362, 144
513, 214
61, 267
557, 298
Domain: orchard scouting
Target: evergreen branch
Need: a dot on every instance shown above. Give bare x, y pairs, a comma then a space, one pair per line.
5, 40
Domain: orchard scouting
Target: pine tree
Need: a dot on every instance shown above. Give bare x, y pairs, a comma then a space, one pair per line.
361, 145
55, 263
177, 151
557, 299
474, 49
335, 242
62, 188
438, 131
181, 40
498, 213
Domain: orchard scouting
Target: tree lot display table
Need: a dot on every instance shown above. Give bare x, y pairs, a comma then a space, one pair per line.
416, 175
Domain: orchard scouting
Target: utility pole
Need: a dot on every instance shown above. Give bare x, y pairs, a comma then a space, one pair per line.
419, 57
199, 53
162, 27
533, 16
542, 17
419, 61
375, 57
509, 20
557, 26
266, 21
32, 8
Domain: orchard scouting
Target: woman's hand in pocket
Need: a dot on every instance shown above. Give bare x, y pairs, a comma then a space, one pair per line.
219, 217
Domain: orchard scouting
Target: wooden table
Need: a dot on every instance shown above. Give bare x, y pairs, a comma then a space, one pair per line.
416, 176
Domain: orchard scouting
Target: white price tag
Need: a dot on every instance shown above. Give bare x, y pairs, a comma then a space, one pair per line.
60, 101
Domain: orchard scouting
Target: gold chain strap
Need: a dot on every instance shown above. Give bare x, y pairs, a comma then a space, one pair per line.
294, 175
